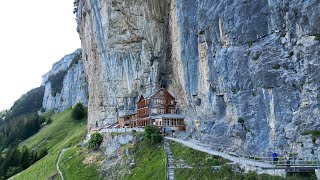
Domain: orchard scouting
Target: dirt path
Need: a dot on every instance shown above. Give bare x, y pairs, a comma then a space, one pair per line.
206, 149
57, 165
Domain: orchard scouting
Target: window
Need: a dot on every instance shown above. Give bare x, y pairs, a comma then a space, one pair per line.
172, 102
171, 111
161, 111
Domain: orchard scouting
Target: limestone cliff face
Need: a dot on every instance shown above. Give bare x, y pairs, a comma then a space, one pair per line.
245, 73
70, 86
125, 51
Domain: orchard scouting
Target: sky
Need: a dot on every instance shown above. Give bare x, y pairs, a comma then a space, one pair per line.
34, 34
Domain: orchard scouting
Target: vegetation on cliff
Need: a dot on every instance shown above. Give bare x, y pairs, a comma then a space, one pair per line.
56, 81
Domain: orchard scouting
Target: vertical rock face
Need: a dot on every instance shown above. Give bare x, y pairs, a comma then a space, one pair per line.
65, 84
125, 53
245, 73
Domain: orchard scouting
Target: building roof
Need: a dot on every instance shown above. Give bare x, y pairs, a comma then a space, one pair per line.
158, 116
128, 114
154, 93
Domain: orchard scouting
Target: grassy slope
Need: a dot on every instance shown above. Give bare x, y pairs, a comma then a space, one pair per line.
72, 167
150, 162
202, 162
62, 133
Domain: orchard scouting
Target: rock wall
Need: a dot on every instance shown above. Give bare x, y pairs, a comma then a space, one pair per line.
245, 73
125, 53
74, 86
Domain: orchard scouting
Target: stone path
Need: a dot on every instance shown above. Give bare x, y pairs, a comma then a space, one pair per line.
206, 149
57, 165
170, 161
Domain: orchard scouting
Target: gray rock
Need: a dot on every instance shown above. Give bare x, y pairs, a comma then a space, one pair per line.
222, 60
74, 86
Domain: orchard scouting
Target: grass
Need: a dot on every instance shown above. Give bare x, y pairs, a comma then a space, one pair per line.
72, 165
63, 132
150, 162
202, 166
195, 158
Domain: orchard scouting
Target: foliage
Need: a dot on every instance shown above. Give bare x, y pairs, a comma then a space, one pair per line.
22, 120
149, 162
42, 120
276, 66
78, 111
18, 129
95, 141
312, 132
56, 81
28, 103
317, 37
315, 134
241, 120
63, 132
49, 120
153, 135
15, 160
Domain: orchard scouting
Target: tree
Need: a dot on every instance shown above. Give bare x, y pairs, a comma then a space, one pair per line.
153, 135
25, 158
78, 111
95, 141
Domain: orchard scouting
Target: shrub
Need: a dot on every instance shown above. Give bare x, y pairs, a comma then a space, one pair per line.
78, 111
42, 120
276, 66
241, 120
49, 120
95, 141
153, 135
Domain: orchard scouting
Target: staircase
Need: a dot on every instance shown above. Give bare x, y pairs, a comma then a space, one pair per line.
170, 161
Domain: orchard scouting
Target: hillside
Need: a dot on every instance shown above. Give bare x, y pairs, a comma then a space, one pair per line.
134, 159
62, 133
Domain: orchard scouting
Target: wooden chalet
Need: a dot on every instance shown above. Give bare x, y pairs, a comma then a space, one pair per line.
157, 109
128, 120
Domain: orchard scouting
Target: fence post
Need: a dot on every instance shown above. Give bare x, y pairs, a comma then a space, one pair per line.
318, 162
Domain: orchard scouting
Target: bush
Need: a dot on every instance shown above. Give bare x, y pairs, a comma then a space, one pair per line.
78, 111
95, 141
42, 120
49, 120
153, 135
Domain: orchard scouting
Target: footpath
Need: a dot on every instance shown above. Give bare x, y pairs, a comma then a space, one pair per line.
57, 165
204, 148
